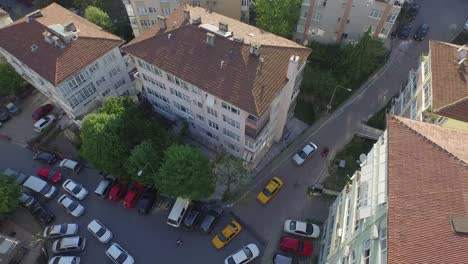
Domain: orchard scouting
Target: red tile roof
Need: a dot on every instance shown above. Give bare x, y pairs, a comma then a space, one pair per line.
243, 80
55, 64
449, 80
427, 184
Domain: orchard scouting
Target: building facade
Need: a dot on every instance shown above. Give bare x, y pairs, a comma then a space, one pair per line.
234, 84
143, 13
334, 21
73, 62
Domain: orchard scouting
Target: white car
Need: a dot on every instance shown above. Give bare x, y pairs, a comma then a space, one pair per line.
244, 255
72, 206
69, 244
56, 231
305, 153
65, 260
301, 228
100, 231
74, 189
44, 123
118, 255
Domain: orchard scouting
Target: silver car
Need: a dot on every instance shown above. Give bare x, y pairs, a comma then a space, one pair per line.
57, 231
304, 153
71, 206
98, 230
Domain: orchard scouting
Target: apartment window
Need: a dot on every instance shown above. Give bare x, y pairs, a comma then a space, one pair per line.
177, 81
74, 82
324, 3
384, 31
165, 11
152, 10
426, 69
118, 84
231, 135
249, 144
196, 3
106, 92
195, 102
153, 81
375, 13
133, 21
231, 146
245, 2
114, 71
100, 81
366, 253
352, 257
183, 109
383, 243
211, 135
231, 122
414, 108
145, 23
427, 94
156, 94
391, 18
180, 95
211, 111
200, 117
316, 16
93, 67
153, 22
109, 58
213, 125
142, 10
369, 27
300, 28
82, 95
196, 90
164, 107
230, 108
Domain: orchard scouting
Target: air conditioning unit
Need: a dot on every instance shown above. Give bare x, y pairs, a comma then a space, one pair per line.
339, 232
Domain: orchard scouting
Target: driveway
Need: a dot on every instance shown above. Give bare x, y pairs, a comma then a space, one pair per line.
148, 238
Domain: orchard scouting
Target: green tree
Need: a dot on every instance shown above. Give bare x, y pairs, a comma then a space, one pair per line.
83, 4
10, 192
278, 16
98, 17
10, 81
42, 3
145, 157
185, 172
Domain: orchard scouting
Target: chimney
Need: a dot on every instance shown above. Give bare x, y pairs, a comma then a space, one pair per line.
34, 47
70, 27
162, 22
32, 15
196, 20
255, 49
210, 39
293, 67
47, 37
223, 26
186, 15
239, 40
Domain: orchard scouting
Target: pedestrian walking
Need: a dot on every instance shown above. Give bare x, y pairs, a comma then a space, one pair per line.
179, 242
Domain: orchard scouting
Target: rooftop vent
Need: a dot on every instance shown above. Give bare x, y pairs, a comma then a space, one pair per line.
57, 42
255, 49
459, 224
186, 15
239, 39
162, 22
223, 27
47, 37
65, 32
196, 20
33, 15
70, 27
461, 54
34, 47
210, 39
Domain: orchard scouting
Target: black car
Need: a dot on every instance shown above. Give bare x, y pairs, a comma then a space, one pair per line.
46, 157
421, 32
191, 219
41, 213
413, 11
146, 201
404, 31
4, 116
210, 218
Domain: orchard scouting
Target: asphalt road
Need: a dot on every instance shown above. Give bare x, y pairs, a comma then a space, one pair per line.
148, 238
445, 18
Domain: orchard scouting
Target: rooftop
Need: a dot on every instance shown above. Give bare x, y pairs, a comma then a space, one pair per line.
449, 67
225, 69
3, 13
427, 187
25, 40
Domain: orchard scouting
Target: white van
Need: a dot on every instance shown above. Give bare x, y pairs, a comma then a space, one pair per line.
40, 186
178, 212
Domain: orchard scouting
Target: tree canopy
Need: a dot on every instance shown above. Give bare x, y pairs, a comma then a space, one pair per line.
10, 192
98, 17
185, 172
278, 16
10, 81
147, 158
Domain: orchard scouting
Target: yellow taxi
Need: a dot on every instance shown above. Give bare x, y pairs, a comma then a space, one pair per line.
227, 234
270, 190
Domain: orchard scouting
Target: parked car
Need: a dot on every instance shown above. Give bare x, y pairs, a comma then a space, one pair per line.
178, 212
304, 153
301, 228
45, 157
27, 200
44, 123
270, 190
13, 109
117, 191
132, 196
71, 206
281, 259
41, 213
74, 189
42, 111
210, 218
98, 230
40, 186
70, 165
192, 217
244, 255
19, 177
147, 201
69, 244
413, 10
296, 246
49, 175
65, 260
57, 231
4, 114
227, 234
118, 255
104, 186
404, 30
421, 32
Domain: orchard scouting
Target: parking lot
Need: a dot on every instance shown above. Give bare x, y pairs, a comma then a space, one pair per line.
147, 238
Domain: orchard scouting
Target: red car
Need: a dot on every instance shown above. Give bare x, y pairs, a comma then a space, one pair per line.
49, 175
133, 195
117, 191
42, 111
296, 246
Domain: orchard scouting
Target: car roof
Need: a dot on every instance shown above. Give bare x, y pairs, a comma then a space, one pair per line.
95, 225
300, 225
70, 184
115, 250
70, 241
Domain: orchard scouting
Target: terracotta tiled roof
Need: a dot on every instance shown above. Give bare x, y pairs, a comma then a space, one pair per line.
427, 184
449, 80
243, 80
55, 64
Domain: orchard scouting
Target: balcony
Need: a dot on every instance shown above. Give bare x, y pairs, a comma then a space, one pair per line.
254, 126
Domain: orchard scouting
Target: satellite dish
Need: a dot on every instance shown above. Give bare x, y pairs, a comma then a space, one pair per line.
362, 158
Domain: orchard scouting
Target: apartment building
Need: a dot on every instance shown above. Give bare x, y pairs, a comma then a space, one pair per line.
334, 21
437, 92
5, 18
70, 60
143, 14
235, 84
407, 203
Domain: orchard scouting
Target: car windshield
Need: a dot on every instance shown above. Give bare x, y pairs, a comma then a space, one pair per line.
121, 258
230, 260
247, 252
73, 206
300, 246
50, 175
45, 189
222, 237
101, 232
63, 229
309, 229
292, 225
266, 192
76, 189
302, 154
